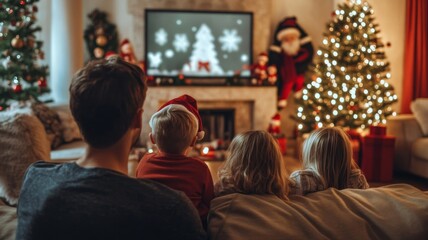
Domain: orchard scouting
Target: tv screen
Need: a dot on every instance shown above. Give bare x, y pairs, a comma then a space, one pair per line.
198, 44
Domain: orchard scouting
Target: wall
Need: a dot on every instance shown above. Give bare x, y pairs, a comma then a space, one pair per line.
117, 13
312, 15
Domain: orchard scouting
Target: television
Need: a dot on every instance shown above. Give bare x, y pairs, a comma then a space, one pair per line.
198, 44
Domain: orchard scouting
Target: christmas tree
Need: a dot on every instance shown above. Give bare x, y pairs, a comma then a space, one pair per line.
21, 75
100, 35
204, 56
348, 82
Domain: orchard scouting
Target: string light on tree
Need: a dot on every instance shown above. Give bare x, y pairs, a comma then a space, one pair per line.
347, 84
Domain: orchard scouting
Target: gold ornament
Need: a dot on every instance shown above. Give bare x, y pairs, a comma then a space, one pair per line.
101, 40
17, 42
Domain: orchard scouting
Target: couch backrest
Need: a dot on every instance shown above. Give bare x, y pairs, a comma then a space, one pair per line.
391, 212
419, 108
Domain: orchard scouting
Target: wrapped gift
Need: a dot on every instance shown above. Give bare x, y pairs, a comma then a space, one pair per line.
378, 130
377, 157
356, 142
282, 142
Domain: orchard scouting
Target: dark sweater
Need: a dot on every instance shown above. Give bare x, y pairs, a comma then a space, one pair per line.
66, 201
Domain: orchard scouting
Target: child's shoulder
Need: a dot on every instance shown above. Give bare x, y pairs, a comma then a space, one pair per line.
197, 161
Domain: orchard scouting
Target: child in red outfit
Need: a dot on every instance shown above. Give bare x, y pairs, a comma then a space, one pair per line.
175, 128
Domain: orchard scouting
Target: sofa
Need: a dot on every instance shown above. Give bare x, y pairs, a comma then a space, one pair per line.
411, 144
390, 212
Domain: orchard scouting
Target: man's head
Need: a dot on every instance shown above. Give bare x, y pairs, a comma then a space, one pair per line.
177, 125
106, 99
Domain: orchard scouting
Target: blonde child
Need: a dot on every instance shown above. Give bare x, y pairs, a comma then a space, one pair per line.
175, 128
327, 162
254, 166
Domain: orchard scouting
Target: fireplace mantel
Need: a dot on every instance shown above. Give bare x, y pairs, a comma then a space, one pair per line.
258, 103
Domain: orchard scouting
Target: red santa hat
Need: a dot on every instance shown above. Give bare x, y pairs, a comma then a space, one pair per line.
124, 41
287, 27
190, 104
263, 55
110, 54
276, 119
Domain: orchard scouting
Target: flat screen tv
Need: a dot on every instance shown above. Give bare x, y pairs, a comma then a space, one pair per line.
198, 44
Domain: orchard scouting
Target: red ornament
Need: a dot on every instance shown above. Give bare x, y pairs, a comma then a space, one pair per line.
22, 2
17, 88
333, 14
42, 83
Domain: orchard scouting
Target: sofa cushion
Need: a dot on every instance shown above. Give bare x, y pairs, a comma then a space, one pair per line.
419, 148
69, 151
70, 130
23, 141
51, 122
8, 221
419, 108
391, 212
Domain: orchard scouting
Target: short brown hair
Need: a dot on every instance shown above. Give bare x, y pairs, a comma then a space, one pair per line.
254, 166
105, 96
174, 128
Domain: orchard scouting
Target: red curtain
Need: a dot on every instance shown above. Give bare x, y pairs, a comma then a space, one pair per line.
415, 80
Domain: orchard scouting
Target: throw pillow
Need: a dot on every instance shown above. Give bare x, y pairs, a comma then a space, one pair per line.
419, 108
23, 141
8, 221
70, 130
50, 121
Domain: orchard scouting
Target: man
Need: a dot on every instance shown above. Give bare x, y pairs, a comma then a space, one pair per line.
94, 198
291, 54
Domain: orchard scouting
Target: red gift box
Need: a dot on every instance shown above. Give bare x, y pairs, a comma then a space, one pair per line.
377, 158
378, 130
356, 142
282, 142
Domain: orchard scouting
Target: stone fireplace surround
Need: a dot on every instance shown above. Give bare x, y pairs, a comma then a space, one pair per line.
254, 106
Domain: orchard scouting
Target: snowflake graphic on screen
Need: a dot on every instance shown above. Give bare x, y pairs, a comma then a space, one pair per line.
181, 43
155, 59
230, 40
161, 37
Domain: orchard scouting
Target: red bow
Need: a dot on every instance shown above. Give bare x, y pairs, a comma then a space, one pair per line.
204, 65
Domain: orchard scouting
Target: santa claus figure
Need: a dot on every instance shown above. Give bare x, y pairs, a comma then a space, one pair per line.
291, 53
275, 125
259, 70
127, 52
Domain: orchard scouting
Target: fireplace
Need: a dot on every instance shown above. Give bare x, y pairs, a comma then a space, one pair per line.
219, 124
226, 110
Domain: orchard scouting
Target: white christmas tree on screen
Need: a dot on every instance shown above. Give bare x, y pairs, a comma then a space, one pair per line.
204, 56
